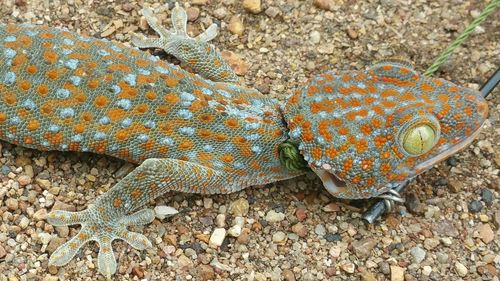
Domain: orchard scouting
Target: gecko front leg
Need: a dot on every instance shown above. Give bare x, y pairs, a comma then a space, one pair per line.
196, 53
107, 219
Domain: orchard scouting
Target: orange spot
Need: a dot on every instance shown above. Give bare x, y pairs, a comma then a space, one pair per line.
328, 89
232, 123
316, 153
361, 146
10, 98
142, 108
19, 60
141, 62
185, 145
78, 56
204, 156
386, 67
87, 116
162, 110
32, 69
119, 67
52, 74
3, 117
24, 85
46, 109
136, 193
116, 114
343, 131
366, 129
33, 125
50, 56
121, 135
80, 97
426, 87
46, 35
347, 165
151, 95
227, 158
366, 164
171, 98
79, 128
92, 84
101, 101
331, 152
312, 90
388, 93
171, 82
388, 103
407, 97
117, 202
307, 136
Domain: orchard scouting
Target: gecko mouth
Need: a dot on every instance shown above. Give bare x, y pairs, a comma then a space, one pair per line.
331, 182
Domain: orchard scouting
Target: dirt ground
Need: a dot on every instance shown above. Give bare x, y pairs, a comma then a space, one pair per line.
291, 230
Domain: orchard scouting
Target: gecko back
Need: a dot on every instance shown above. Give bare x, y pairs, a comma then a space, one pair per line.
63, 91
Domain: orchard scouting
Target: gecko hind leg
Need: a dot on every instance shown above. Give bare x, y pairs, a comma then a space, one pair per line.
194, 53
95, 228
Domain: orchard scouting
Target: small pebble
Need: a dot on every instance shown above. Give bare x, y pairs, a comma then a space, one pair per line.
299, 229
217, 237
279, 237
486, 233
272, 12
320, 230
252, 6
315, 37
239, 207
475, 206
236, 26
273, 217
193, 13
162, 212
333, 237
461, 269
397, 273
418, 254
487, 196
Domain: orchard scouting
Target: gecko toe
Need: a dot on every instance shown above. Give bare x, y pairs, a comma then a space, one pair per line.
106, 261
64, 253
64, 218
140, 217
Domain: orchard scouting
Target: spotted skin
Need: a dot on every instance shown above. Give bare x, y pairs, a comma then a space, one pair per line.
202, 134
351, 124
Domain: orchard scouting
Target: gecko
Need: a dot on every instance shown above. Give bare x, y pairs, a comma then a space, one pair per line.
199, 131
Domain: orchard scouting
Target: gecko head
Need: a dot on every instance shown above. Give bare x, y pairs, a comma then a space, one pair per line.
363, 133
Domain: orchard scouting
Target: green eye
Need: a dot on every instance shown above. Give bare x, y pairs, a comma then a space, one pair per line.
418, 138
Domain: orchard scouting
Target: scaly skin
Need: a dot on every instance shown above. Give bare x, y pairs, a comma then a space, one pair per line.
361, 132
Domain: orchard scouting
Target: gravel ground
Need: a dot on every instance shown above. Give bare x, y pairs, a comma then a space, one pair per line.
292, 230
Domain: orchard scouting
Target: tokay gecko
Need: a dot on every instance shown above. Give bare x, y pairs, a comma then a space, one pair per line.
361, 132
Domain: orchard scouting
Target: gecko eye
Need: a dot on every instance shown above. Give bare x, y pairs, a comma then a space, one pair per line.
419, 136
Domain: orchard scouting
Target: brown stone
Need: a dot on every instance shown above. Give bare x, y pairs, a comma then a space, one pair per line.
205, 272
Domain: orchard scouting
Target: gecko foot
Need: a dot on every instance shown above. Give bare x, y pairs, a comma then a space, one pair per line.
169, 37
96, 227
